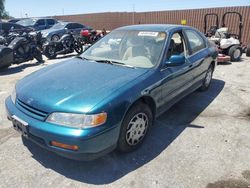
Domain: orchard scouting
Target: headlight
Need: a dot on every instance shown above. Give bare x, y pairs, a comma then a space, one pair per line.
77, 120
13, 96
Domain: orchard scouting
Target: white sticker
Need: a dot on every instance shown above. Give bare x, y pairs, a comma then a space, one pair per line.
148, 33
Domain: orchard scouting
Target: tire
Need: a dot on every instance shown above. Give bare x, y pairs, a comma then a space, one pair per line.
50, 52
208, 78
78, 47
55, 38
135, 127
235, 53
248, 50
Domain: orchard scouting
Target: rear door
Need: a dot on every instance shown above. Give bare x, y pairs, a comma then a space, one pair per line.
198, 54
177, 79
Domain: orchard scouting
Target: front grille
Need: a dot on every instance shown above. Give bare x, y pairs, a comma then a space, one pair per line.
31, 111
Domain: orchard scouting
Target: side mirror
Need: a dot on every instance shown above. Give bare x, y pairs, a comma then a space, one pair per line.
176, 60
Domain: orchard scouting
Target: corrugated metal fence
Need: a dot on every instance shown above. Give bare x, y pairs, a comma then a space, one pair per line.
194, 17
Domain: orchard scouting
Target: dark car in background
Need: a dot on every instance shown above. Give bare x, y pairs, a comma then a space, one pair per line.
6, 27
38, 23
59, 29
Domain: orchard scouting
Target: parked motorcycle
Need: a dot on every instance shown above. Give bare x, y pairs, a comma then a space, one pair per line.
21, 49
90, 37
67, 44
6, 39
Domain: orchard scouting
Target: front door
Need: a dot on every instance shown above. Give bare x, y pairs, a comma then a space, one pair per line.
175, 79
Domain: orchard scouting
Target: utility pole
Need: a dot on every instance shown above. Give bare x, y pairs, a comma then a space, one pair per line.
133, 16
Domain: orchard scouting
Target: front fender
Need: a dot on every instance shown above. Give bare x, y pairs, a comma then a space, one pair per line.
123, 98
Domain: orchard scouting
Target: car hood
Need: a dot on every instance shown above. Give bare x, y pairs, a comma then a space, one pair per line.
73, 86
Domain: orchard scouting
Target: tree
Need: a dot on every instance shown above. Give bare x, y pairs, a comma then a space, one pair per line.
3, 13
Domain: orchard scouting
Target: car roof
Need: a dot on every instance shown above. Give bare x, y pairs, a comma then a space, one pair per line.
154, 27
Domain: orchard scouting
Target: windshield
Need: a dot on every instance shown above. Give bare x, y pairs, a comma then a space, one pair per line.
27, 22
132, 48
60, 25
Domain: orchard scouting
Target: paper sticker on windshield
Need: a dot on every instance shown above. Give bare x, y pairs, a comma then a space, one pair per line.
148, 34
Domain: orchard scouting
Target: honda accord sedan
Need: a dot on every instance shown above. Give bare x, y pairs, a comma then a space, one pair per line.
108, 97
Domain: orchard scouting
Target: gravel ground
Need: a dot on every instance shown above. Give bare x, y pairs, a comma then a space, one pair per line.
202, 141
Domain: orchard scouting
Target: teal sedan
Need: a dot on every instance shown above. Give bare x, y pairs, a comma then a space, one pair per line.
108, 97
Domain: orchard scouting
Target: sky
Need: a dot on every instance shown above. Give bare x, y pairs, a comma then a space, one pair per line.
36, 8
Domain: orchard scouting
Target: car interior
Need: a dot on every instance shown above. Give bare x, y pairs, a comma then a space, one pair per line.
177, 46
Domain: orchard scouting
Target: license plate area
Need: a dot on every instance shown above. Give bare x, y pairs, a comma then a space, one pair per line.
20, 125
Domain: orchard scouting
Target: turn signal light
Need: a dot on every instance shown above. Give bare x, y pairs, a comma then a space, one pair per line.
64, 146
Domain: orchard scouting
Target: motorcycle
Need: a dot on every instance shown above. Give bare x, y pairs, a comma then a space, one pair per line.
90, 37
21, 49
6, 40
67, 44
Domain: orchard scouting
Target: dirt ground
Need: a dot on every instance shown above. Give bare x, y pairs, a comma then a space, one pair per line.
202, 141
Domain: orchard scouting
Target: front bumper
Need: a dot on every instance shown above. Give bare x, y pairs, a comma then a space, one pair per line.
91, 144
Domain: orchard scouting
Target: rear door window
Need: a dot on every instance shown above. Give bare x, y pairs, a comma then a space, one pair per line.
196, 42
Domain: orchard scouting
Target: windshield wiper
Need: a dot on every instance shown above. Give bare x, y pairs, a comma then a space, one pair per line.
104, 61
113, 62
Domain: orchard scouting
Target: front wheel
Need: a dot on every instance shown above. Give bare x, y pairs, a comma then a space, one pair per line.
50, 51
208, 78
135, 127
78, 47
235, 53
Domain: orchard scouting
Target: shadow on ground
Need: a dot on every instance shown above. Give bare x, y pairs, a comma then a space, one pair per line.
114, 166
19, 68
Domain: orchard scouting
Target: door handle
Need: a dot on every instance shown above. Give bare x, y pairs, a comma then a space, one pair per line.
190, 65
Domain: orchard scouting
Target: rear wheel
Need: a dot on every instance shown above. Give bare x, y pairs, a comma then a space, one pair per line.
135, 127
207, 81
248, 50
235, 53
